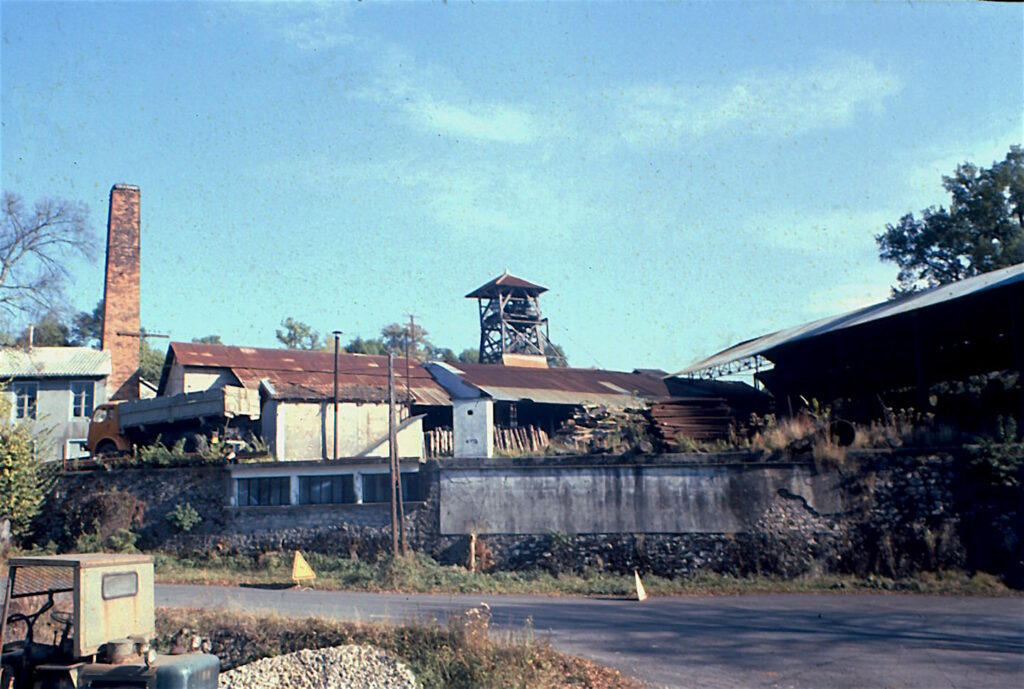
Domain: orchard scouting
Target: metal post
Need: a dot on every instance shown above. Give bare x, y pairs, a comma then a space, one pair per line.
337, 335
392, 455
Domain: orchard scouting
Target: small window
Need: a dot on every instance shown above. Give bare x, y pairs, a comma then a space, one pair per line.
100, 416
326, 490
81, 399
273, 490
25, 395
120, 585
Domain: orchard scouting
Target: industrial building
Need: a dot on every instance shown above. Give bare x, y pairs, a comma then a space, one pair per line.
893, 353
53, 390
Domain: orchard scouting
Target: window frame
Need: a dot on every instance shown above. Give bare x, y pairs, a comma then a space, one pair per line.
272, 487
314, 487
89, 395
17, 412
408, 479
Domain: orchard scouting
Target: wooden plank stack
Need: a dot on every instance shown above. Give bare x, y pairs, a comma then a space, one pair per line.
698, 418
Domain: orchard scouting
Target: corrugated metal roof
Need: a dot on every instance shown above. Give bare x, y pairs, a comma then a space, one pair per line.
922, 300
305, 375
505, 281
54, 362
557, 385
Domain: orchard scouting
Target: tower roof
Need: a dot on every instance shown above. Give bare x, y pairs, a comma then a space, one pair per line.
505, 282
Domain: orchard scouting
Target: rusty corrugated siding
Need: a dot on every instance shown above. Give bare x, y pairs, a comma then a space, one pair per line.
304, 375
579, 381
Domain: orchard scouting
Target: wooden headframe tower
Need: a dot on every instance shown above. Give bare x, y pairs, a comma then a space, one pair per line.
512, 330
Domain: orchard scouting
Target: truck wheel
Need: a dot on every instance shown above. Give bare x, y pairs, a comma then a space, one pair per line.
106, 448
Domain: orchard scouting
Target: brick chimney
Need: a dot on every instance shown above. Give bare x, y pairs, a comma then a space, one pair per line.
121, 293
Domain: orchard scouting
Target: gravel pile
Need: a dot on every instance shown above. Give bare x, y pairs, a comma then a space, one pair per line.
342, 667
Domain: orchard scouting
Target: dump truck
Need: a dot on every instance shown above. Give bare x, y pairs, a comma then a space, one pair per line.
226, 413
99, 629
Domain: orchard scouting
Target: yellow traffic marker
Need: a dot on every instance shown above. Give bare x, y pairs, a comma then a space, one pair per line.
641, 593
301, 571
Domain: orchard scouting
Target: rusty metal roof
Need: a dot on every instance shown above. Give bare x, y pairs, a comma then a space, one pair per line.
550, 386
306, 375
54, 362
504, 283
927, 299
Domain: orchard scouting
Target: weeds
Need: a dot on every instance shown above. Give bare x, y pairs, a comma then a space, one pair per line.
184, 517
418, 573
457, 655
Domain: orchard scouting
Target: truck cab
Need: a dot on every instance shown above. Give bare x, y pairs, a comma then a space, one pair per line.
105, 437
98, 630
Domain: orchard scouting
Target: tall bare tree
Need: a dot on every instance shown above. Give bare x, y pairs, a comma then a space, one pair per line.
36, 246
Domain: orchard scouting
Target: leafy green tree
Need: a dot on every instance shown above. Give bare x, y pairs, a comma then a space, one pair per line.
24, 481
48, 331
207, 339
394, 337
556, 356
370, 346
87, 328
982, 230
151, 361
298, 335
470, 355
443, 354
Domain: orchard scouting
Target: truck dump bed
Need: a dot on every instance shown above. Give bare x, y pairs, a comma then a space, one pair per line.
227, 402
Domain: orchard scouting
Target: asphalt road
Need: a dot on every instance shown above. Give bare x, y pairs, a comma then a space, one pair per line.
787, 641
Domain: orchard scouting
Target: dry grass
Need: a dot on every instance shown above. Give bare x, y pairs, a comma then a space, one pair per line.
461, 654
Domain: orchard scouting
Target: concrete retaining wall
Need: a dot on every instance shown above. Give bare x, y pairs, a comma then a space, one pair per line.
663, 498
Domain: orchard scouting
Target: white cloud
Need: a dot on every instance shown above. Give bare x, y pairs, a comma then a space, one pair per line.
491, 122
308, 26
765, 103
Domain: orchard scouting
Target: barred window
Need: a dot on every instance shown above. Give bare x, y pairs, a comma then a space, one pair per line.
81, 399
324, 490
274, 490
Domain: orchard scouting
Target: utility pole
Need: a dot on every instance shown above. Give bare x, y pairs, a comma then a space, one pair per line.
337, 335
408, 338
392, 453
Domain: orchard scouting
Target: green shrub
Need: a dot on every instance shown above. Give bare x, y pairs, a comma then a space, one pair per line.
184, 517
24, 481
123, 541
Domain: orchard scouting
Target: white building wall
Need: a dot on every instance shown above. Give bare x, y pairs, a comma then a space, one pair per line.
473, 427
305, 430
55, 431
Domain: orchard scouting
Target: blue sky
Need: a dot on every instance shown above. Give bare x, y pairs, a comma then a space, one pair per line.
681, 176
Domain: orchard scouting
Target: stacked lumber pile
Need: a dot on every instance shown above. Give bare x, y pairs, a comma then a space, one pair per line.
697, 418
520, 439
438, 442
594, 428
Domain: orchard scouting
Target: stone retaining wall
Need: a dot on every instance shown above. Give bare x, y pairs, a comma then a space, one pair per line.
891, 514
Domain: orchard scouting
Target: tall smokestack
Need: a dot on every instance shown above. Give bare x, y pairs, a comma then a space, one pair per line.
121, 293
